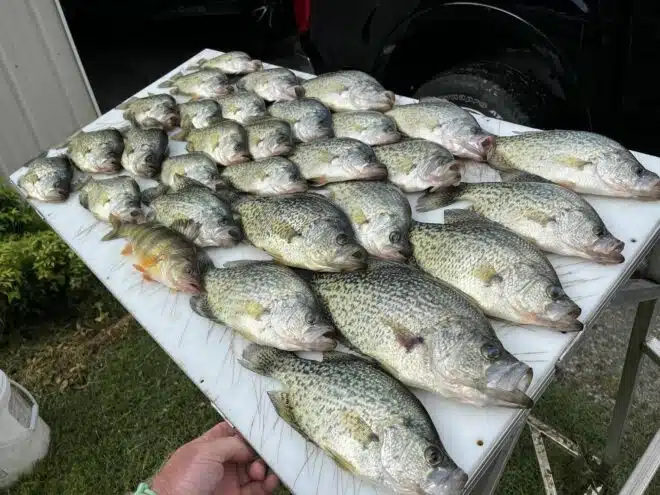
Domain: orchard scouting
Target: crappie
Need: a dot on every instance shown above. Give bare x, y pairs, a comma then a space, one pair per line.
242, 106
267, 177
197, 213
445, 123
118, 196
198, 114
269, 137
370, 424
145, 151
370, 127
204, 83
230, 63
226, 143
309, 119
157, 110
265, 303
417, 165
552, 217
47, 179
380, 216
349, 90
163, 255
425, 333
303, 230
272, 84
337, 160
195, 165
507, 276
582, 161
97, 152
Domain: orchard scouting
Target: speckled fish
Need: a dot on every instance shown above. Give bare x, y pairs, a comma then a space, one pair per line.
198, 114
265, 303
118, 196
269, 137
582, 161
267, 177
162, 254
370, 424
197, 213
234, 63
145, 151
507, 276
272, 84
370, 127
309, 119
380, 216
349, 90
337, 160
47, 179
194, 165
242, 107
303, 230
552, 217
417, 165
155, 110
445, 123
97, 152
204, 83
226, 143
425, 333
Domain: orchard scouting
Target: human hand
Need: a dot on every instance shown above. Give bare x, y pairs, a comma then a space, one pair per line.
217, 463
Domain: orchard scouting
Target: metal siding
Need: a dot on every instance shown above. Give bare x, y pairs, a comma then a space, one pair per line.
44, 94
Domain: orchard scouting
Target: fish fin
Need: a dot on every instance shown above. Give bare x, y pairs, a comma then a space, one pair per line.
359, 217
168, 83
200, 305
358, 428
197, 65
253, 308
204, 261
572, 161
438, 199
180, 182
186, 227
124, 105
146, 277
282, 403
116, 228
151, 193
520, 176
404, 337
539, 217
487, 274
341, 462
284, 230
127, 249
317, 181
377, 263
83, 199
263, 360
139, 268
180, 135
147, 262
458, 215
235, 263
340, 357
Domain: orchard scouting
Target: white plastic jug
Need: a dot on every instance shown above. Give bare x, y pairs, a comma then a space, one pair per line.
24, 436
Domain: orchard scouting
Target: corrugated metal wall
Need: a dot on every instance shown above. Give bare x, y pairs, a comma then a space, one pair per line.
44, 94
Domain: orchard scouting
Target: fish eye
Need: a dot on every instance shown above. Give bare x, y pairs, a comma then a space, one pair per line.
638, 170
433, 456
310, 318
554, 292
490, 351
599, 231
189, 270
395, 237
222, 221
341, 239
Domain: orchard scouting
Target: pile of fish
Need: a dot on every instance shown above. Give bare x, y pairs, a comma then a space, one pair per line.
315, 173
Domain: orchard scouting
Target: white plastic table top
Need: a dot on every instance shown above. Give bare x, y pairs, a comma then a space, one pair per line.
207, 352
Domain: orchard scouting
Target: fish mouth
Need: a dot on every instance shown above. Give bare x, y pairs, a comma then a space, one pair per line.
349, 259
109, 166
507, 384
654, 191
476, 148
318, 338
373, 171
381, 102
292, 93
394, 253
386, 138
444, 482
226, 238
607, 250
171, 121
239, 157
223, 91
294, 187
449, 175
560, 315
281, 149
190, 286
56, 195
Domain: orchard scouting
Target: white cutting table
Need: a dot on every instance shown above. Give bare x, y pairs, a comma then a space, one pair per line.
478, 439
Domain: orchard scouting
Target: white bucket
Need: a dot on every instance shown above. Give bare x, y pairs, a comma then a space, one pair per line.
24, 437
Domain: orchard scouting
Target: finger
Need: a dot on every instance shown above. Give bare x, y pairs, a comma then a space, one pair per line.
257, 470
231, 449
271, 483
221, 430
254, 488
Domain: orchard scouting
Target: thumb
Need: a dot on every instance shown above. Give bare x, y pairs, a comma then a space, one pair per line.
232, 449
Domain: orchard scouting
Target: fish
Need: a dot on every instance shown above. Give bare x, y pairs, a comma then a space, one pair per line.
195, 165
47, 179
267, 177
309, 119
425, 333
154, 110
117, 196
582, 161
302, 230
97, 152
370, 127
265, 303
204, 83
552, 217
508, 277
162, 255
380, 216
349, 90
145, 151
278, 84
234, 63
445, 123
226, 143
336, 160
269, 137
198, 114
415, 165
367, 422
242, 106
197, 213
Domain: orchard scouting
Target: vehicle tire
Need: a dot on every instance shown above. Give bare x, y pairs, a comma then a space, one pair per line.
494, 89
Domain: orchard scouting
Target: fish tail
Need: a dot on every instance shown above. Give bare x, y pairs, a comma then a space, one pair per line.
438, 199
264, 360
116, 228
168, 83
124, 104
197, 65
